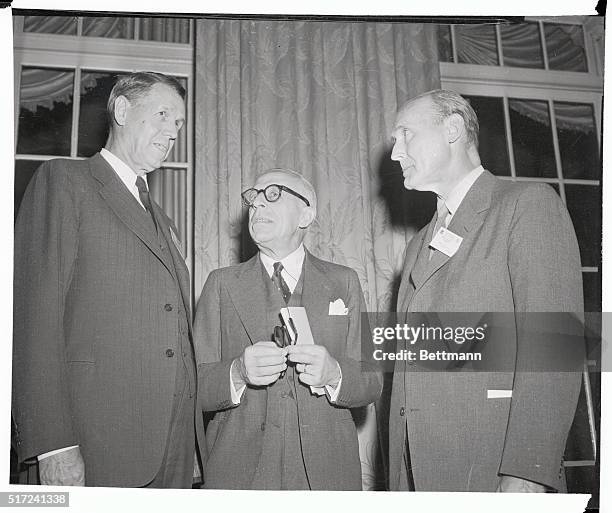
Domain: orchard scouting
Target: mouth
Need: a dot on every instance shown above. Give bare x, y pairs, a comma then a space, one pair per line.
257, 220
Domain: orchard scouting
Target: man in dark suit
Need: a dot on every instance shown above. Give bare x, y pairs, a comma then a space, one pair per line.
103, 369
492, 246
282, 414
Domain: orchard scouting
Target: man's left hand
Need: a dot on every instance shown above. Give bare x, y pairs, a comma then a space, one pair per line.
315, 366
511, 484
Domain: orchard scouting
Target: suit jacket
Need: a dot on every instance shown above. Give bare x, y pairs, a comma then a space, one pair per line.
519, 254
230, 316
98, 318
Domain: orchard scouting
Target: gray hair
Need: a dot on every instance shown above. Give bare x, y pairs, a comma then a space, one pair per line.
449, 102
136, 85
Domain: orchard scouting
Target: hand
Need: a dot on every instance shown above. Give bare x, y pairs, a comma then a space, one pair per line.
315, 366
511, 484
259, 365
65, 468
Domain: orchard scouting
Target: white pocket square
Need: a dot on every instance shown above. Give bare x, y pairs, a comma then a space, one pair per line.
498, 394
337, 307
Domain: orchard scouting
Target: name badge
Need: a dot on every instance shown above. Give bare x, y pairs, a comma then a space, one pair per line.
446, 241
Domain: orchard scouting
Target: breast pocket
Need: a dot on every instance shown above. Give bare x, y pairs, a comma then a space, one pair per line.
334, 330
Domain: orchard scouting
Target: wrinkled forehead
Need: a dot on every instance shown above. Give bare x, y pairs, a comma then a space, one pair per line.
280, 178
163, 95
417, 111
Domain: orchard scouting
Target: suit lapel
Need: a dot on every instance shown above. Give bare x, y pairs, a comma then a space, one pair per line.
246, 293
467, 219
125, 206
182, 273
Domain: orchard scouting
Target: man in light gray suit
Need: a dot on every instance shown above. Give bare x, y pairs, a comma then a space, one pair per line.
492, 246
103, 367
271, 429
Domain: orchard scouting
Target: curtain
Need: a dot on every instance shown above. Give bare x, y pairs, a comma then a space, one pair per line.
319, 98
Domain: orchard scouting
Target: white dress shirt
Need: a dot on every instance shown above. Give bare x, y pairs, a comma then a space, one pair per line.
291, 272
125, 173
459, 192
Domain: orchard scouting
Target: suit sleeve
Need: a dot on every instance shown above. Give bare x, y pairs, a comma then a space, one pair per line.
544, 265
213, 372
361, 382
45, 255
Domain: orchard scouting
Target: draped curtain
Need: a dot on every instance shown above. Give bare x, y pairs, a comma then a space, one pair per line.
319, 98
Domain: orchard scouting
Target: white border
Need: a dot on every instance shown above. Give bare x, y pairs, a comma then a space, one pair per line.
107, 499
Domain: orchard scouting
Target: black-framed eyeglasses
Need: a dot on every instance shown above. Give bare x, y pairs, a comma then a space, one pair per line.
272, 193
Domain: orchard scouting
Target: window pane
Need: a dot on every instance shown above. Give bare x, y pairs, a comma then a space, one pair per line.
476, 44
45, 111
24, 169
445, 47
577, 140
532, 138
93, 121
492, 146
565, 47
116, 27
50, 24
584, 205
521, 45
592, 291
166, 30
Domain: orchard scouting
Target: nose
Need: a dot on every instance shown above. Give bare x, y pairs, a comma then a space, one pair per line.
260, 200
171, 130
397, 152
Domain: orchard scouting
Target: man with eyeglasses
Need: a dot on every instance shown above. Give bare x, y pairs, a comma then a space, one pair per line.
281, 411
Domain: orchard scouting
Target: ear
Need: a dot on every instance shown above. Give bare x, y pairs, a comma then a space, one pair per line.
120, 110
455, 127
307, 216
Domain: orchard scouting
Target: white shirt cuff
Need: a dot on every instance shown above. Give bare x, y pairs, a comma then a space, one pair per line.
236, 394
333, 392
56, 451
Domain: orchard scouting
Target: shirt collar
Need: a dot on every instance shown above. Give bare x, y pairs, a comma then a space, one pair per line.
457, 195
123, 171
292, 263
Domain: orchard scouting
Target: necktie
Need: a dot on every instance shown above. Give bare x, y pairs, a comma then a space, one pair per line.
280, 283
145, 199
441, 221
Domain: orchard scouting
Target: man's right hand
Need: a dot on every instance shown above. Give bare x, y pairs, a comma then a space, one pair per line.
259, 365
65, 468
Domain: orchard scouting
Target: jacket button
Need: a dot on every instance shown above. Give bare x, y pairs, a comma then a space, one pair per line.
402, 411
168, 307
169, 353
263, 426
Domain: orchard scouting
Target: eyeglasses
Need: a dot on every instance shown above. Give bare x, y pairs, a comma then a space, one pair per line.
272, 193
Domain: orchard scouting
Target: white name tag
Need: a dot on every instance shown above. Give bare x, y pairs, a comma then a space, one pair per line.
446, 241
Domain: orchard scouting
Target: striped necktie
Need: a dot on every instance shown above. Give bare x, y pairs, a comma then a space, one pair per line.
280, 283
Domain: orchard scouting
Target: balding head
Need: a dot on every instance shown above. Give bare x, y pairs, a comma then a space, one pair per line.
278, 226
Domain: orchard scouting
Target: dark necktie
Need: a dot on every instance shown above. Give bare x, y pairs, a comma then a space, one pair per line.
145, 199
280, 283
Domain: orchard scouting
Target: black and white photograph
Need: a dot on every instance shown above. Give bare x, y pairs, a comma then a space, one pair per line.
331, 253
